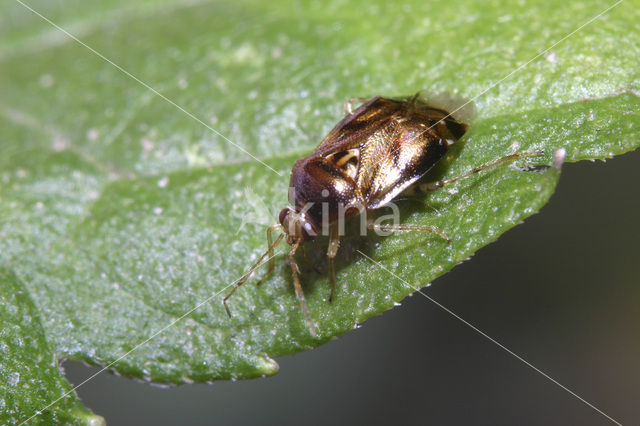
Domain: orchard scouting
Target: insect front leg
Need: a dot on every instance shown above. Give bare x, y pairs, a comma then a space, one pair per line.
308, 261
246, 276
298, 288
270, 246
332, 251
434, 186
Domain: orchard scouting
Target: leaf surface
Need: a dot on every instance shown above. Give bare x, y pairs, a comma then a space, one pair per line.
124, 221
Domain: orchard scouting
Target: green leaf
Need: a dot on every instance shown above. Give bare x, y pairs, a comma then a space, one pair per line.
29, 370
124, 221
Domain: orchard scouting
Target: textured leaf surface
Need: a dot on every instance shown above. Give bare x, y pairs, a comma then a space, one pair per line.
29, 370
121, 214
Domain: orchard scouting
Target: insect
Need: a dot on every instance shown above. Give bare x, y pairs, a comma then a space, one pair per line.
373, 154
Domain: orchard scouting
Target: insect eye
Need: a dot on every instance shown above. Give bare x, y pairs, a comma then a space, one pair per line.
283, 214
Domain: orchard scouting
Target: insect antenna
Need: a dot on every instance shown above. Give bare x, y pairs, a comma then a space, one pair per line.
246, 276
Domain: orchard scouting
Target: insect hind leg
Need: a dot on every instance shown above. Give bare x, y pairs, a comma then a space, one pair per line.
434, 186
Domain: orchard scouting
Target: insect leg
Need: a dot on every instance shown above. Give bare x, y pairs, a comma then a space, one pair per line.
332, 251
246, 276
408, 228
272, 261
434, 186
298, 288
373, 226
306, 259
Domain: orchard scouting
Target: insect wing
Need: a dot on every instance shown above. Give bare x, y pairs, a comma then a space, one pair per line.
396, 156
354, 128
384, 146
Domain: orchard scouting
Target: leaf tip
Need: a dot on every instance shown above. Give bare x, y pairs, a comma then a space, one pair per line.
92, 419
558, 158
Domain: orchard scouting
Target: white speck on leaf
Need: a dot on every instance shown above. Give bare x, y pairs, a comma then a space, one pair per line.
93, 134
164, 182
60, 144
14, 379
147, 144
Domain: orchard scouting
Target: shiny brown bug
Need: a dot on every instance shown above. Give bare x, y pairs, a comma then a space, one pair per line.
373, 154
